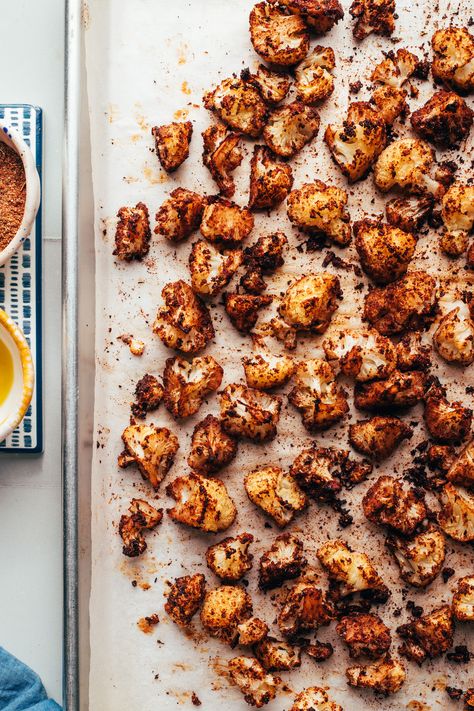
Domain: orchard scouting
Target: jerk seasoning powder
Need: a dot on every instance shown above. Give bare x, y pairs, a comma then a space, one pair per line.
12, 194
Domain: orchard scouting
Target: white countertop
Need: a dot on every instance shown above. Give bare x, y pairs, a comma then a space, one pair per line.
30, 487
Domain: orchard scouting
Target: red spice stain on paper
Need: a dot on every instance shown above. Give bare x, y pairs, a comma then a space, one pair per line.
185, 88
181, 114
112, 113
154, 176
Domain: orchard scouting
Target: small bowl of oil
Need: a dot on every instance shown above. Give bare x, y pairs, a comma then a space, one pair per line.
16, 375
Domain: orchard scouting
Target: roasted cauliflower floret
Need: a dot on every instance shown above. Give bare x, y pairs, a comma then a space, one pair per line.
321, 472
321, 209
132, 236
456, 517
201, 503
396, 68
184, 322
453, 60
461, 470
454, 336
148, 396
457, 213
413, 353
252, 631
280, 330
388, 503
263, 257
265, 370
290, 127
276, 655
364, 355
420, 558
276, 493
188, 383
409, 213
180, 215
406, 305
410, 165
463, 599
270, 179
447, 422
314, 699
314, 79
445, 119
283, 561
225, 222
428, 636
151, 448
242, 309
357, 141
377, 16
378, 437
239, 105
277, 37
365, 635
385, 677
351, 571
385, 252
399, 390
142, 517
210, 269
316, 395
249, 413
172, 143
257, 686
230, 558
319, 15
221, 155
211, 447
306, 607
319, 651
389, 102
185, 597
273, 86
223, 609
309, 303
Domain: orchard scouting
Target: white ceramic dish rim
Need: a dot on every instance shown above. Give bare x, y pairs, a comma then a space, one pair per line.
13, 139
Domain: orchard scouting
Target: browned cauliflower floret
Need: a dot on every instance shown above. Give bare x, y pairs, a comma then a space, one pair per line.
132, 236
377, 16
321, 472
413, 353
405, 305
211, 447
172, 143
389, 102
273, 86
249, 413
365, 355
180, 215
239, 105
314, 80
185, 597
265, 370
151, 448
316, 395
230, 559
201, 503
388, 503
463, 599
461, 470
225, 222
440, 457
453, 61
257, 686
276, 493
284, 333
447, 422
454, 336
378, 437
223, 609
428, 636
314, 699
277, 37
283, 561
290, 127
357, 141
142, 517
318, 651
457, 212
252, 631
263, 257
222, 155
210, 269
385, 252
396, 68
365, 635
270, 179
399, 390
188, 383
310, 302
276, 655
420, 558
148, 395
319, 15
351, 571
184, 322
456, 517
445, 119
385, 677
321, 209
410, 165
306, 607
242, 309
409, 213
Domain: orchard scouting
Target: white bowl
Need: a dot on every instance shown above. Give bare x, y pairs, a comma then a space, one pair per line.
33, 190
14, 407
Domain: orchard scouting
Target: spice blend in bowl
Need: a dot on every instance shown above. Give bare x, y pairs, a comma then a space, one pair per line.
12, 194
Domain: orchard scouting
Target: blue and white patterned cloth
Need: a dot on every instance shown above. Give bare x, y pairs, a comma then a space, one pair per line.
20, 688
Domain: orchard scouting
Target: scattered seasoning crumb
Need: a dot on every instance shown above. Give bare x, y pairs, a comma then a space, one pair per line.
459, 655
12, 194
195, 699
453, 693
447, 573
134, 583
355, 87
136, 347
146, 624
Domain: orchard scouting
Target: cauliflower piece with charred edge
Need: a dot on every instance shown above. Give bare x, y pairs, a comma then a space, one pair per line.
184, 322
420, 559
151, 448
461, 470
211, 447
378, 437
319, 15
249, 413
456, 517
365, 355
290, 127
252, 631
453, 60
399, 390
390, 102
351, 571
185, 597
319, 208
273, 86
428, 636
148, 396
180, 215
445, 119
283, 561
172, 143
187, 384
316, 395
314, 80
280, 330
257, 686
276, 493
225, 222
263, 257
395, 68
385, 677
463, 599
309, 302
314, 699
306, 607
276, 655
409, 213
223, 609
270, 179
412, 353
210, 269
221, 155
142, 517
132, 236
377, 16
457, 213
388, 503
265, 370
277, 37
365, 635
201, 503
321, 472
454, 336
239, 105
230, 558
242, 309
385, 252
447, 422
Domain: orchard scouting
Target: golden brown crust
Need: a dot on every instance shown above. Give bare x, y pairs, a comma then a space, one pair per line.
172, 143
318, 208
185, 597
447, 422
223, 610
184, 322
142, 517
211, 447
180, 215
377, 16
249, 413
230, 559
351, 572
399, 390
363, 355
290, 127
239, 105
187, 383
316, 395
385, 677
456, 516
133, 234
276, 655
445, 119
210, 269
385, 252
270, 180
151, 448
306, 607
365, 635
314, 699
243, 309
388, 503
309, 303
321, 472
420, 558
276, 493
221, 155
319, 15
314, 80
453, 50
263, 257
461, 469
265, 370
273, 86
378, 437
257, 686
201, 503
463, 599
226, 223
277, 37
283, 561
428, 636
413, 353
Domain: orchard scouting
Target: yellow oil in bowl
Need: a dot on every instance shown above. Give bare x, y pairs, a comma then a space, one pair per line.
6, 372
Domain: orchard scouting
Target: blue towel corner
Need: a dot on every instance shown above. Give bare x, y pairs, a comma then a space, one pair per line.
20, 688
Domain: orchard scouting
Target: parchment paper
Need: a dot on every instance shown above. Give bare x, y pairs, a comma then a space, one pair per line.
149, 62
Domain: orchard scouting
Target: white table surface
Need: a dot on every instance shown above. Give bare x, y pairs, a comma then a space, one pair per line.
32, 61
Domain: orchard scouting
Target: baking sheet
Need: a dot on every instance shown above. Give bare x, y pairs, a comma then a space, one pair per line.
148, 63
